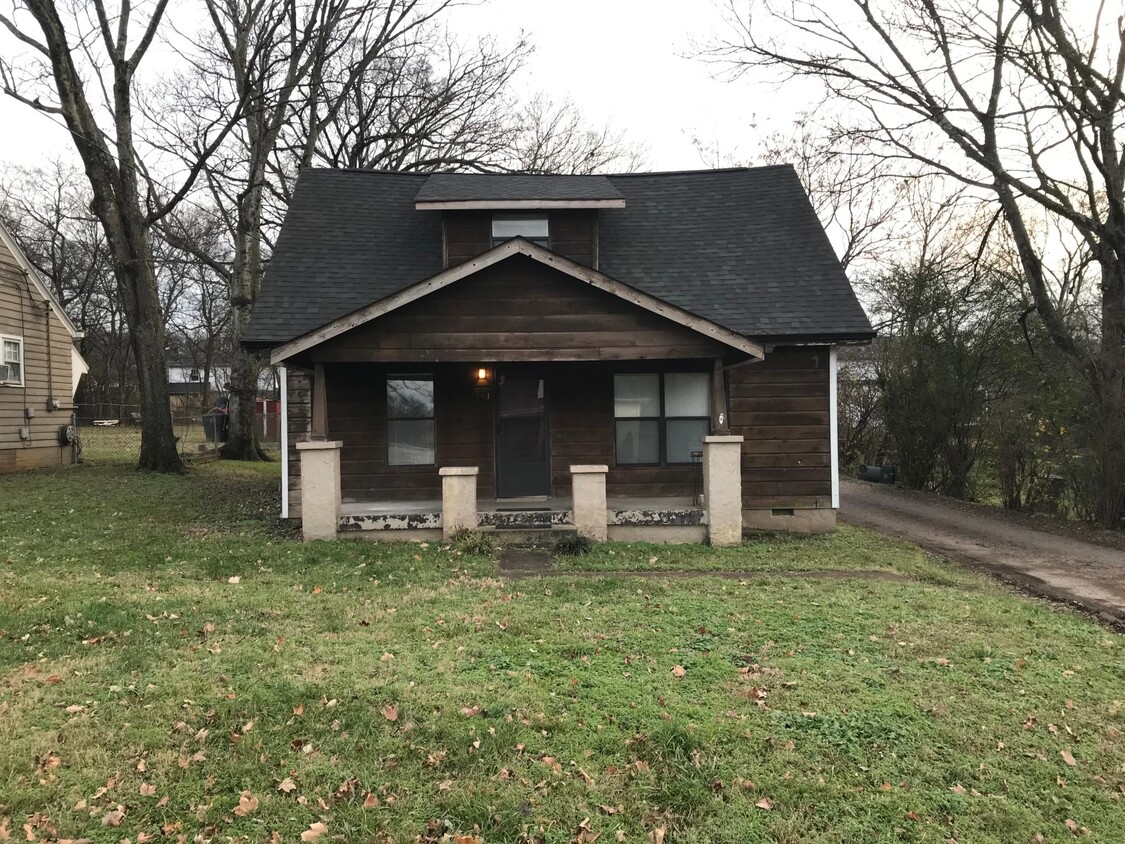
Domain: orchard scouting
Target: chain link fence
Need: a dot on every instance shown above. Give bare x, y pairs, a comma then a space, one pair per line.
112, 433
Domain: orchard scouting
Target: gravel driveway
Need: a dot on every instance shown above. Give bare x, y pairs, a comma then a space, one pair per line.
1057, 567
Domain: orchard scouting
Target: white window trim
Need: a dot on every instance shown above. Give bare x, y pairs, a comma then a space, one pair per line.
23, 360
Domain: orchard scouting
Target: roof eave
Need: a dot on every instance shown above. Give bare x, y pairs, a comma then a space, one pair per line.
516, 204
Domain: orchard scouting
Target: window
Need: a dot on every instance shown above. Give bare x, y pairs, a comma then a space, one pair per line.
533, 227
410, 420
660, 419
11, 361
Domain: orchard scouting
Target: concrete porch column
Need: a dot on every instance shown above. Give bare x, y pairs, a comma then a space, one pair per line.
320, 488
590, 514
722, 488
458, 499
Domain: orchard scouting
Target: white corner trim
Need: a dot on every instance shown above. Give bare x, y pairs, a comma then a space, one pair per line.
833, 427
284, 442
517, 246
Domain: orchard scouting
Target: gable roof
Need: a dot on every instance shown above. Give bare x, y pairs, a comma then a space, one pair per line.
506, 250
516, 190
741, 248
37, 282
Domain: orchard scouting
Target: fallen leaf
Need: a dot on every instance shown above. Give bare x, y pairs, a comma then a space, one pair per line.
958, 789
299, 709
314, 831
390, 712
912, 816
370, 801
386, 657
247, 804
1068, 757
764, 803
114, 817
235, 580
148, 790
678, 671
287, 786
656, 836
470, 711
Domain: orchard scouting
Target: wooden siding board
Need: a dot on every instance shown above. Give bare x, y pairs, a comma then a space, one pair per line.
780, 406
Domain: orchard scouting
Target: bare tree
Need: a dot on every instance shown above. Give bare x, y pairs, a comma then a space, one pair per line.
294, 67
86, 68
1005, 96
555, 138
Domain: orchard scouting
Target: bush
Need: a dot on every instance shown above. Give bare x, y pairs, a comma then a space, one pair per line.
574, 545
474, 541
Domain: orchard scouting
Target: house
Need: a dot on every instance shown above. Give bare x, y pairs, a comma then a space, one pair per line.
635, 356
39, 368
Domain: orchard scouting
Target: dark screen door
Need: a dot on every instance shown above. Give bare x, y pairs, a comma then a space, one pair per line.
521, 438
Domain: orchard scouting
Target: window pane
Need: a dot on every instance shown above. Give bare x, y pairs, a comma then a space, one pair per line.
684, 437
636, 395
410, 442
532, 228
11, 351
410, 398
638, 441
687, 394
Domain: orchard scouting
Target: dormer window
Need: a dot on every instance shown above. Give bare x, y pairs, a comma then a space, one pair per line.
533, 227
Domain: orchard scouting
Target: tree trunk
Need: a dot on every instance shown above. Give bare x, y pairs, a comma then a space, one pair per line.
1109, 391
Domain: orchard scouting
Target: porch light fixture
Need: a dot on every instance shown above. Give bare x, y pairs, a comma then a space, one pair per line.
482, 382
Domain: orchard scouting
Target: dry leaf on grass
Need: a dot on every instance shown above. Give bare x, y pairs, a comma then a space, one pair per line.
1068, 757
678, 671
314, 831
287, 786
390, 712
247, 804
764, 803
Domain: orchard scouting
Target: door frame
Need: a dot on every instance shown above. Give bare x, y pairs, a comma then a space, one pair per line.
520, 372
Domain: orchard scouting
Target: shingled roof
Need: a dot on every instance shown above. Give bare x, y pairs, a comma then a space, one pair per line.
741, 248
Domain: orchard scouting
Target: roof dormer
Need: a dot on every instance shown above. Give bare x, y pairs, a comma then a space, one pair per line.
482, 210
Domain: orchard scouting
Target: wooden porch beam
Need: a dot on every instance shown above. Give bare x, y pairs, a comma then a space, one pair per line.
720, 415
319, 404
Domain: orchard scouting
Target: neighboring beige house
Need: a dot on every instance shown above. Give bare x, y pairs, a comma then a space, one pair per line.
39, 368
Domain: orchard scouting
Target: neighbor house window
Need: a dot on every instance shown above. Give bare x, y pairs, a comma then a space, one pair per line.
11, 361
533, 227
410, 420
660, 419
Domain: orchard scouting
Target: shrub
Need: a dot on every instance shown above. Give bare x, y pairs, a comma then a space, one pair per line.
474, 541
574, 545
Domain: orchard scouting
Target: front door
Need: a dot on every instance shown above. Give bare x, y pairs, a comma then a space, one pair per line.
522, 453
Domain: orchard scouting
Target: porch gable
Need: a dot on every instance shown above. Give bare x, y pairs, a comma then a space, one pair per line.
636, 325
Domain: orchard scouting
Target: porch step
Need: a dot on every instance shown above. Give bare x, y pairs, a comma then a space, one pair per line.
525, 519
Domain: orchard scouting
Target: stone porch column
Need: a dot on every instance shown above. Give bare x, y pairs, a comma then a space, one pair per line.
590, 515
722, 488
320, 488
458, 499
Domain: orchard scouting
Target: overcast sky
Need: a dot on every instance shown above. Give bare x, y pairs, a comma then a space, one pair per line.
621, 61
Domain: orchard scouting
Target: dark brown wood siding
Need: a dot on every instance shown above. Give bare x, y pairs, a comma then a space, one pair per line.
580, 406
573, 235
781, 407
518, 310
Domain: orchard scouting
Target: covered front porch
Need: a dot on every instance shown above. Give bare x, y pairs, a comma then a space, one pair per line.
587, 511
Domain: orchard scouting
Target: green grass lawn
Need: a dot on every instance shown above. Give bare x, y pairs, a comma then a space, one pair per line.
171, 664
